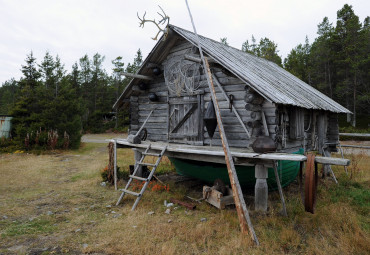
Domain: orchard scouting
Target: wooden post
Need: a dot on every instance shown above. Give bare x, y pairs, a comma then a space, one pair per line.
241, 208
137, 156
115, 164
240, 205
275, 164
322, 126
261, 189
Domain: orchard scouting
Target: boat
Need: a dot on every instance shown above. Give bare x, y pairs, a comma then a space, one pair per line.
209, 172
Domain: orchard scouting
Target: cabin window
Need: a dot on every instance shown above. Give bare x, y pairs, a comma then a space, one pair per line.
296, 124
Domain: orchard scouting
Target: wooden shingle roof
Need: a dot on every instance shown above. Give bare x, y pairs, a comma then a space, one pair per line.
267, 78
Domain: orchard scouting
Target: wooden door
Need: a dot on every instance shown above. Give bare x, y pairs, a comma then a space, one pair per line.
185, 121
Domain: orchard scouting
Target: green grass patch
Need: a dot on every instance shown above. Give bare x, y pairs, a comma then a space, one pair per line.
352, 192
37, 226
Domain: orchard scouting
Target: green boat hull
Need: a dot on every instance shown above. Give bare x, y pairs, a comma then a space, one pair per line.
209, 172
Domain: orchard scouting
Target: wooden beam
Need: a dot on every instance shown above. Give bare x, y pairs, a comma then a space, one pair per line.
138, 76
204, 150
265, 128
196, 59
280, 188
233, 108
332, 161
355, 146
354, 134
115, 164
241, 207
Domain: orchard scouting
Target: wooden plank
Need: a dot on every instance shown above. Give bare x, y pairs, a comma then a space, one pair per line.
177, 100
149, 107
180, 47
217, 152
137, 76
182, 135
355, 146
230, 136
159, 131
220, 95
233, 109
238, 104
186, 116
159, 125
231, 88
233, 143
241, 207
321, 131
154, 119
194, 93
155, 113
354, 135
196, 59
157, 137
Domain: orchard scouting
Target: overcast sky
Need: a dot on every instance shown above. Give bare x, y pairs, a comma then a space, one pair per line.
72, 29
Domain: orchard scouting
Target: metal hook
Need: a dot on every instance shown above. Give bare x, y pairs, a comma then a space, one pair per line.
231, 98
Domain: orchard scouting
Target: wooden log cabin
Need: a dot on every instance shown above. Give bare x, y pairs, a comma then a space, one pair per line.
256, 98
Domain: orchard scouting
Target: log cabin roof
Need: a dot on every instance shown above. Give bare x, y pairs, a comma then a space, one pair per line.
267, 78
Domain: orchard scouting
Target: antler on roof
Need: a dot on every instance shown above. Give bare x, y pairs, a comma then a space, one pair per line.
162, 21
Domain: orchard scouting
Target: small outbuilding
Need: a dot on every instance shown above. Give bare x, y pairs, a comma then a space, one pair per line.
5, 126
169, 101
296, 115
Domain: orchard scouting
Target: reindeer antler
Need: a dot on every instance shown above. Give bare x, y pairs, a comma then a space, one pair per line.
162, 21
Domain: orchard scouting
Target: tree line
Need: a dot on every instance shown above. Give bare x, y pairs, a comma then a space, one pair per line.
337, 63
51, 106
47, 98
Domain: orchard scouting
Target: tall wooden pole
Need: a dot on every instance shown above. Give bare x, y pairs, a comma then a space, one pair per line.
241, 207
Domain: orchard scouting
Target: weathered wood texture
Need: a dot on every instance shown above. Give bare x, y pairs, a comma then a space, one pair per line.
285, 124
322, 126
332, 132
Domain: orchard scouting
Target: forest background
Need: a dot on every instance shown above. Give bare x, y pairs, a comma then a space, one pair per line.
47, 99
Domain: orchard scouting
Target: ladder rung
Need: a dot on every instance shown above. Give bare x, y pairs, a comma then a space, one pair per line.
138, 178
130, 192
147, 164
151, 154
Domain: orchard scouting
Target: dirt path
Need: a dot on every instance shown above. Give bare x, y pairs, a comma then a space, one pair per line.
101, 138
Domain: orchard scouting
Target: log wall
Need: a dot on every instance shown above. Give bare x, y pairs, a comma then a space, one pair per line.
247, 103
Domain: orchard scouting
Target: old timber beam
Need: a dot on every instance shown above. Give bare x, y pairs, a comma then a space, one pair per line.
241, 208
138, 76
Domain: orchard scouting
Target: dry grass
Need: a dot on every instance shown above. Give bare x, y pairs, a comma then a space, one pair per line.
54, 204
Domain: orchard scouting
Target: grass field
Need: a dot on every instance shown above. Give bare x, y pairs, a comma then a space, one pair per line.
53, 204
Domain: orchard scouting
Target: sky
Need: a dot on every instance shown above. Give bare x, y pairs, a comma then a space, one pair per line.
72, 29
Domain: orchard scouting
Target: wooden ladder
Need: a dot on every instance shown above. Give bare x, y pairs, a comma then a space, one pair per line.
146, 180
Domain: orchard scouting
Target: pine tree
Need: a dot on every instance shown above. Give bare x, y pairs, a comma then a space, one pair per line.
347, 37
266, 49
298, 63
117, 77
224, 40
